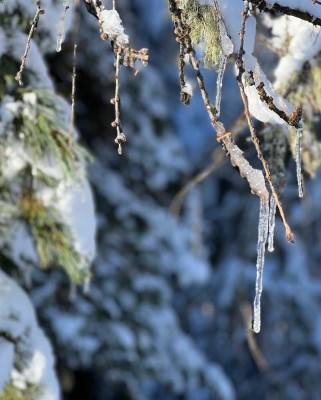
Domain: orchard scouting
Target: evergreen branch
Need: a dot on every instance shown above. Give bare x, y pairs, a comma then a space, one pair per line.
46, 134
54, 239
11, 392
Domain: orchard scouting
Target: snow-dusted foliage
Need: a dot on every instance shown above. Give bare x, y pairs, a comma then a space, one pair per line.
47, 212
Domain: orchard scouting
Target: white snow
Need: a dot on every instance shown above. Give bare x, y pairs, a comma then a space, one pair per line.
294, 34
76, 205
18, 320
112, 25
188, 88
7, 361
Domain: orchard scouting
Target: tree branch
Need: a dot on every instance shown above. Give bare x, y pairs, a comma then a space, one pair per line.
304, 15
255, 139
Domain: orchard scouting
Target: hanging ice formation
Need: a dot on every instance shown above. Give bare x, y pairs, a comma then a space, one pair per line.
298, 159
226, 51
271, 224
219, 82
61, 26
262, 238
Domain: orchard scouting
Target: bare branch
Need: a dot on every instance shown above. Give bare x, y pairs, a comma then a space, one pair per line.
33, 27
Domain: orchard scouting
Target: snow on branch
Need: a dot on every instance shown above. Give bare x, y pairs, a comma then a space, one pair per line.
302, 9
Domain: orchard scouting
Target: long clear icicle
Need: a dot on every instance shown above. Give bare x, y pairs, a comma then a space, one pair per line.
61, 26
262, 238
298, 159
219, 82
271, 224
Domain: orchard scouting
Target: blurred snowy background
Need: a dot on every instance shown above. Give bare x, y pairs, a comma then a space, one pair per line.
167, 312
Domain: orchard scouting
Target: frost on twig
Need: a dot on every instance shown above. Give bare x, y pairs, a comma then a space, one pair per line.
32, 29
253, 176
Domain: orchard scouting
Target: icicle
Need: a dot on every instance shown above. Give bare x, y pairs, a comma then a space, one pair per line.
86, 285
61, 26
271, 224
72, 292
73, 94
262, 237
227, 49
219, 82
28, 276
298, 159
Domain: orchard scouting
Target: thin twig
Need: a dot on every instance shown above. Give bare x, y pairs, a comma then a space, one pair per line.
33, 27
120, 137
255, 139
256, 353
74, 72
177, 201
